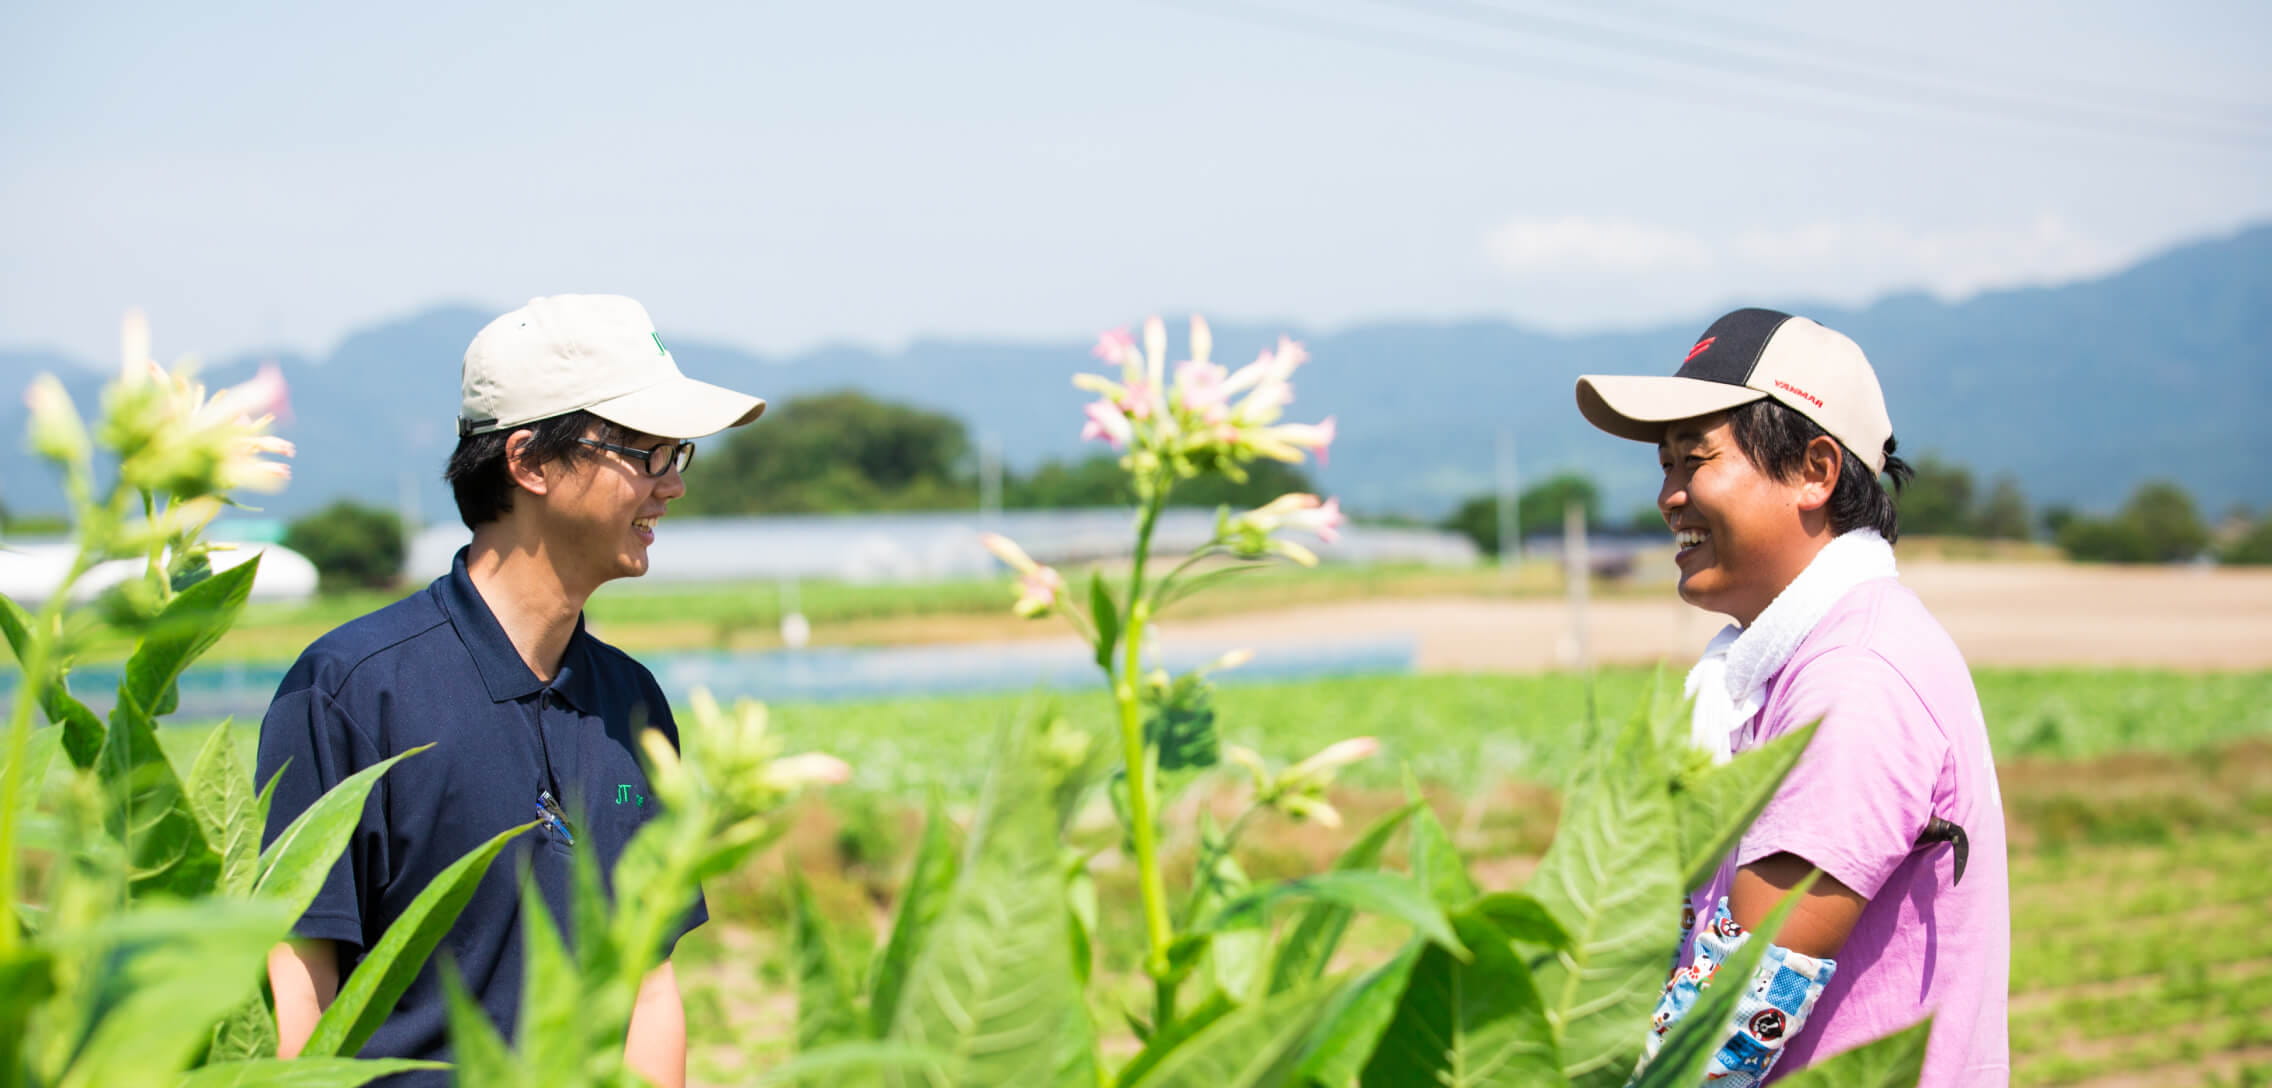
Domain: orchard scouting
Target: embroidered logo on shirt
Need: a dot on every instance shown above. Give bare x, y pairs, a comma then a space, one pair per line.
624, 796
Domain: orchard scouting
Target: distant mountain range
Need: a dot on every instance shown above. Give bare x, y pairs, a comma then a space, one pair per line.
2161, 370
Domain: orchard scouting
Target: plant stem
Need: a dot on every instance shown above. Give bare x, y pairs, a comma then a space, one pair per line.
157, 571
1157, 933
1213, 853
35, 661
1205, 550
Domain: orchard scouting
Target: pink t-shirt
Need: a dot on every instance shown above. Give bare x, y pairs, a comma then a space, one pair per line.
1902, 741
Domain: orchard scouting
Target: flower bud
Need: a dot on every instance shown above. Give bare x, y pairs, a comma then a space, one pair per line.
56, 430
1318, 771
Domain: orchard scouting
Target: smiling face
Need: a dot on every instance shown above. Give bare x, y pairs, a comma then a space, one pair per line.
1742, 535
599, 512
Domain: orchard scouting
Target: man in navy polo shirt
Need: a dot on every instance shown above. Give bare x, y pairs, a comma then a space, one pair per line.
572, 431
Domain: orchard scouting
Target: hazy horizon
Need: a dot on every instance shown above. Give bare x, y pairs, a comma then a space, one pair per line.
269, 177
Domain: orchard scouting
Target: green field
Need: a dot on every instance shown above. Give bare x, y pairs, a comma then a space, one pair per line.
647, 617
1467, 731
2139, 804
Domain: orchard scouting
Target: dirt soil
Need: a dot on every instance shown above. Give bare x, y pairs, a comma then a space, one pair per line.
2000, 613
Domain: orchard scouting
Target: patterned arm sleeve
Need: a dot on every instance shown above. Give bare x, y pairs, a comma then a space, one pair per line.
1780, 996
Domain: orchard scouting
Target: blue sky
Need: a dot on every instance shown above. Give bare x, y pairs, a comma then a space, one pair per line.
780, 175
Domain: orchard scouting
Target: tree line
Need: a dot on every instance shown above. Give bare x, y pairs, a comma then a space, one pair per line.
2158, 523
847, 451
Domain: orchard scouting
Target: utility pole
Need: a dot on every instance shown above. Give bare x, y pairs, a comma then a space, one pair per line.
1510, 505
406, 510
989, 479
1577, 571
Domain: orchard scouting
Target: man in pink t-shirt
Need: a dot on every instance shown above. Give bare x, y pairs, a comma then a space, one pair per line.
1773, 435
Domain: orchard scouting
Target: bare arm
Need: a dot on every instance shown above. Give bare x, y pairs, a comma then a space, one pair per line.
1824, 918
305, 977
656, 1049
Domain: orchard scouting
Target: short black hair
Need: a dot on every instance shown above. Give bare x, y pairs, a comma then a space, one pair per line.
477, 475
1775, 437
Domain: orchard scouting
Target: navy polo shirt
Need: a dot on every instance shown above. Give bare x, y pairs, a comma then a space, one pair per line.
436, 668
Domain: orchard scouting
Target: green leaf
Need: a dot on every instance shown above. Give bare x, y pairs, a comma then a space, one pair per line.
1107, 617
1468, 1025
1346, 1036
1714, 806
369, 994
851, 1062
150, 813
1525, 919
1161, 1043
919, 905
1700, 1034
248, 1032
83, 732
190, 624
992, 988
825, 1013
221, 797
1256, 1046
588, 907
1896, 1061
1237, 954
1611, 879
168, 974
1317, 931
476, 1048
1369, 890
1081, 908
293, 868
27, 978
1185, 587
556, 1029
1436, 862
301, 1072
16, 627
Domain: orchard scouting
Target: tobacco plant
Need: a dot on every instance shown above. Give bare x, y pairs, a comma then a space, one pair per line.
142, 907
984, 977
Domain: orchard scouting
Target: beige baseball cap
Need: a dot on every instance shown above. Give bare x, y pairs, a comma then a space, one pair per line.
1752, 355
593, 353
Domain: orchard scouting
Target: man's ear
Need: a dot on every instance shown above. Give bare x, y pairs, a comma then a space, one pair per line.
525, 475
1818, 472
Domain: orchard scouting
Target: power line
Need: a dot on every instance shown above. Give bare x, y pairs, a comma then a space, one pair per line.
1814, 75
1558, 67
1786, 37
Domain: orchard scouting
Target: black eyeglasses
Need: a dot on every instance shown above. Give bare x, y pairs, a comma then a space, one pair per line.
659, 460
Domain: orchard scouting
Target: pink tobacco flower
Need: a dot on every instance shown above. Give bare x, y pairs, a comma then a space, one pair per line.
1199, 390
1038, 585
1155, 351
264, 397
1314, 437
1113, 346
1037, 591
1138, 400
1108, 422
1301, 511
1319, 770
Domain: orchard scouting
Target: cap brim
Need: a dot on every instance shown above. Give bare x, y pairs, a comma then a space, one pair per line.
680, 408
1638, 407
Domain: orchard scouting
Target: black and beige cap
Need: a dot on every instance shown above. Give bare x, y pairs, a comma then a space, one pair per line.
1746, 356
593, 353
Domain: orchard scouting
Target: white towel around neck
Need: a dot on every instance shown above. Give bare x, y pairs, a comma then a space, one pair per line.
1729, 681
